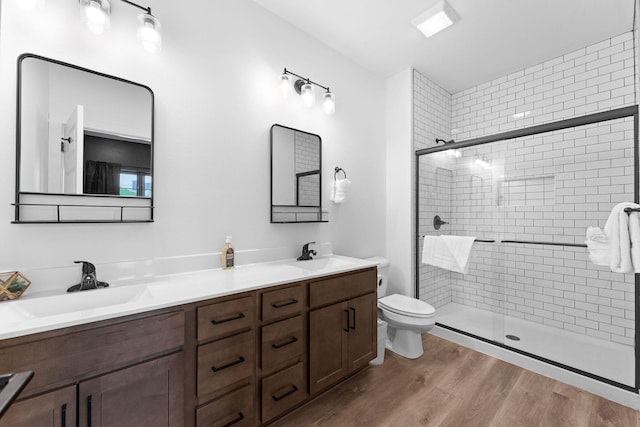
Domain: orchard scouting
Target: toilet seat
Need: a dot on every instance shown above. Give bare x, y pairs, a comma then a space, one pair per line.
407, 306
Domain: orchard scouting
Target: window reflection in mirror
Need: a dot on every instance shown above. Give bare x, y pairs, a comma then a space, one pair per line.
83, 132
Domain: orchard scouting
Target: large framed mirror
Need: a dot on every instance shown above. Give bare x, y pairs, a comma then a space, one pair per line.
296, 176
84, 145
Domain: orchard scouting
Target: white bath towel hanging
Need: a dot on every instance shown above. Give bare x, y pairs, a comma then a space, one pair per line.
617, 231
618, 246
448, 252
634, 236
340, 190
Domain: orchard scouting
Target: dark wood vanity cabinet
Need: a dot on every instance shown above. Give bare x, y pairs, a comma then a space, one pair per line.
343, 334
225, 353
282, 375
52, 409
242, 360
123, 372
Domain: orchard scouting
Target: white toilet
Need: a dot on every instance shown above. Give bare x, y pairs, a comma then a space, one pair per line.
408, 317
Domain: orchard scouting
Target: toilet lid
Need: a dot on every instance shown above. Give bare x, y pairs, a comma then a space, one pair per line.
402, 304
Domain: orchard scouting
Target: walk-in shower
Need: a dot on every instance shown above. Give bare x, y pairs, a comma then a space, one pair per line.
528, 196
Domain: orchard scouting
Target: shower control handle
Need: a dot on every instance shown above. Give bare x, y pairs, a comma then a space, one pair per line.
437, 222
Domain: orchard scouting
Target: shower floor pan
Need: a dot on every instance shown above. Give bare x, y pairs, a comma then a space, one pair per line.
613, 361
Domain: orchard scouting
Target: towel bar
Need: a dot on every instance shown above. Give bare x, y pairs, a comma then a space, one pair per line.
339, 169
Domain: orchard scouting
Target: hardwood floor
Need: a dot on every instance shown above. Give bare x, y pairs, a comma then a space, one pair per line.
451, 385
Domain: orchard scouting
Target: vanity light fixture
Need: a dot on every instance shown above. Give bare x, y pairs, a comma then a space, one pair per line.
96, 13
304, 87
435, 19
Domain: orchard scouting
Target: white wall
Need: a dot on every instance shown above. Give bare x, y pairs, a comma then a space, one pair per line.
217, 94
400, 216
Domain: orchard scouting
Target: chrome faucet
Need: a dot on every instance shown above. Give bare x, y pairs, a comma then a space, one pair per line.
89, 279
306, 253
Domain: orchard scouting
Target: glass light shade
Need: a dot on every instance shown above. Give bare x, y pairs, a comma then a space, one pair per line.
329, 102
149, 35
96, 14
285, 84
308, 96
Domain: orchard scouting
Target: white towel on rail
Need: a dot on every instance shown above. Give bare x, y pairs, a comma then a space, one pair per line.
634, 236
617, 232
448, 252
340, 190
599, 246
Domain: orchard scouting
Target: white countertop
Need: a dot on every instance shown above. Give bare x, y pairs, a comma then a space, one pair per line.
44, 313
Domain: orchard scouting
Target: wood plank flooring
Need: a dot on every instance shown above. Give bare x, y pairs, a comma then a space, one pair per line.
455, 386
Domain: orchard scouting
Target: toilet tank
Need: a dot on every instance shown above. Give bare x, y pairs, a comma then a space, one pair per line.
383, 274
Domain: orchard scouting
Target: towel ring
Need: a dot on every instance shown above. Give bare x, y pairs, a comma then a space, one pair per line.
339, 169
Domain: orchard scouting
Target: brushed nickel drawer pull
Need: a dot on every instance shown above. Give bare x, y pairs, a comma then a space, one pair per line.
282, 396
228, 319
284, 304
228, 365
286, 343
237, 419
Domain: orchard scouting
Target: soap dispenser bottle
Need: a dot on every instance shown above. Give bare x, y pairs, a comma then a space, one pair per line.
228, 255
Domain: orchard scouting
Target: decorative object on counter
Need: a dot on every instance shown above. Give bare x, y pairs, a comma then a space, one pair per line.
228, 255
10, 387
304, 87
340, 187
89, 279
12, 285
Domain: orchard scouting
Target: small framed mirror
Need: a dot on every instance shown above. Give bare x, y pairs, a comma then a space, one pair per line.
84, 145
296, 176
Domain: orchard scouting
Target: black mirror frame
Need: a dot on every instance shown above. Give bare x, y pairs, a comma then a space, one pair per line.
18, 193
306, 210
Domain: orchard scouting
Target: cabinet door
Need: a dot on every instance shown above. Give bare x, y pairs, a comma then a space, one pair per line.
149, 394
363, 333
328, 337
53, 409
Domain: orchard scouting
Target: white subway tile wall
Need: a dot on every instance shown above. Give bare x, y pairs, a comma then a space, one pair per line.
307, 156
545, 188
595, 78
432, 119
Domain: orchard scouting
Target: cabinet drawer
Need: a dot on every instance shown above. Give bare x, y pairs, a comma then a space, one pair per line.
282, 391
282, 341
223, 318
283, 302
64, 359
234, 409
341, 288
222, 363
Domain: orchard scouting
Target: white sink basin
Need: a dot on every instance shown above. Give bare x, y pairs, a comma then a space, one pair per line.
82, 300
321, 263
